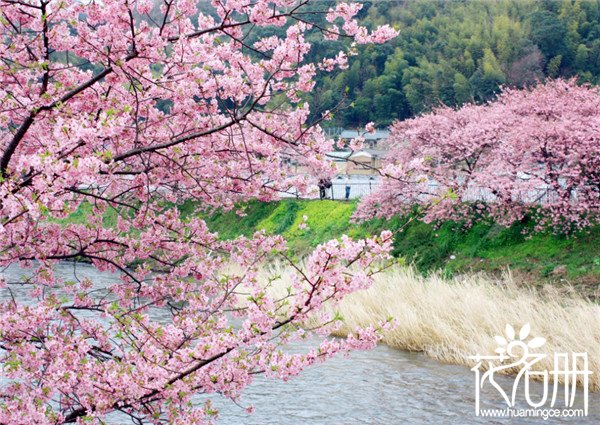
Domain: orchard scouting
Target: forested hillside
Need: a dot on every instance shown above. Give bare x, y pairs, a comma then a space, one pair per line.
453, 52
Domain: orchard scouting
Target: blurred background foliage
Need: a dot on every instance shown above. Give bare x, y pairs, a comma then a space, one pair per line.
452, 52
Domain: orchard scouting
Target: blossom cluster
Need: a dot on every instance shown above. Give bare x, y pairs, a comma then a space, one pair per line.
131, 109
532, 152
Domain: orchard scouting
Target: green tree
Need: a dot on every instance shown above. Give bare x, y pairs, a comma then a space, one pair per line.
553, 67
548, 32
462, 89
487, 79
418, 89
515, 42
581, 58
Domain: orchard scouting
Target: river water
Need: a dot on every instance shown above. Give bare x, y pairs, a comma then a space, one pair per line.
380, 386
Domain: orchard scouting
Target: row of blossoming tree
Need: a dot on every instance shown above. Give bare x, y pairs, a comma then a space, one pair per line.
533, 152
135, 106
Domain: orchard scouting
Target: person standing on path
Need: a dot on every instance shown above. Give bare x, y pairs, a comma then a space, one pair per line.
321, 185
348, 187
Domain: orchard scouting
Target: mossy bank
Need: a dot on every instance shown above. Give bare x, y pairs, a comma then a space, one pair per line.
538, 258
573, 261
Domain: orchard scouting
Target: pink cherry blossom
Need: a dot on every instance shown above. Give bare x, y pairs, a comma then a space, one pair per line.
534, 151
131, 109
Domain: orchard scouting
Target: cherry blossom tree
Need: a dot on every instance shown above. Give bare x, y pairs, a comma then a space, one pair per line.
534, 151
134, 107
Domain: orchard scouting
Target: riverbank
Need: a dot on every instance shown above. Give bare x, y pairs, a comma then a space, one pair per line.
452, 319
393, 385
570, 262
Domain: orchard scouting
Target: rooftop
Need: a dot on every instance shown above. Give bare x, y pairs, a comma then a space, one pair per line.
343, 155
353, 134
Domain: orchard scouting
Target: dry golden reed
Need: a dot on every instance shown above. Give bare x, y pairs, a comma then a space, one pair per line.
452, 319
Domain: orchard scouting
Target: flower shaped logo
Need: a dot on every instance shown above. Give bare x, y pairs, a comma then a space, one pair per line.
509, 340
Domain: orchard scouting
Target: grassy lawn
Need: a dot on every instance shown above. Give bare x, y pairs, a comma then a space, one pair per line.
487, 247
483, 247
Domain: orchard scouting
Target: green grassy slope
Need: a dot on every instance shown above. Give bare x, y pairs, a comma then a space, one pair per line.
482, 247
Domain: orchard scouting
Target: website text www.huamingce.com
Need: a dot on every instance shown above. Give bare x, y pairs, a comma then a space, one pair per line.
531, 413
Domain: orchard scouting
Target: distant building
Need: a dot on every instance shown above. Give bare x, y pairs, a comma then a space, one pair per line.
340, 159
372, 140
365, 161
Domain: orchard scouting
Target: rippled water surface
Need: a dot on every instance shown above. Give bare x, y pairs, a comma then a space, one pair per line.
381, 386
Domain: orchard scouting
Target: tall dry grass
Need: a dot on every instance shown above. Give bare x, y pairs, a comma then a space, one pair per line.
450, 320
